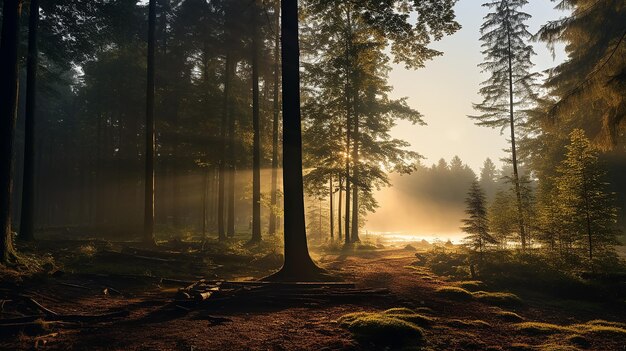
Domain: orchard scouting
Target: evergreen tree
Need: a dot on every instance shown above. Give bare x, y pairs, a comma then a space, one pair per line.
476, 225
586, 91
511, 86
148, 235
585, 202
502, 212
488, 179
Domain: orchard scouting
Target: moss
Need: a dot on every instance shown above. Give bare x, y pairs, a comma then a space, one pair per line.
454, 292
382, 329
602, 330
417, 319
521, 347
498, 298
508, 316
538, 328
471, 285
464, 324
399, 310
607, 323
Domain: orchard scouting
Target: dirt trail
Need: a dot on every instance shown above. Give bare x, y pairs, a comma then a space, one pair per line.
311, 327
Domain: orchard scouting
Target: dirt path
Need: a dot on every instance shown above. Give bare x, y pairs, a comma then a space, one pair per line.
311, 327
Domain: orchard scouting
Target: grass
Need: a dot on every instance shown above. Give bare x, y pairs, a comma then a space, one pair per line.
508, 316
389, 328
600, 330
471, 285
494, 298
539, 328
455, 293
498, 298
464, 324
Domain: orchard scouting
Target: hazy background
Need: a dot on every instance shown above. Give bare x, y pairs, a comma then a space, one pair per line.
443, 92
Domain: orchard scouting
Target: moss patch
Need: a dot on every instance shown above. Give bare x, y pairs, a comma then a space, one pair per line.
508, 316
471, 285
383, 328
498, 298
465, 324
538, 328
454, 292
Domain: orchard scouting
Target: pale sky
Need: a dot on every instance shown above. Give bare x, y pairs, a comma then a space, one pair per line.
445, 89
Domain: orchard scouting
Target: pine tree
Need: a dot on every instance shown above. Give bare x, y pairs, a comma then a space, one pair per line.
148, 235
585, 203
511, 87
586, 91
488, 178
477, 224
502, 214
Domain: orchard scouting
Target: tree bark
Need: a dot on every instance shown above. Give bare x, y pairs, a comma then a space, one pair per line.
354, 235
256, 148
9, 88
518, 194
332, 219
273, 219
148, 235
28, 186
222, 166
298, 264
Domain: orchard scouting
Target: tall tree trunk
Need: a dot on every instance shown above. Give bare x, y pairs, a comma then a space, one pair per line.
348, 93
230, 220
28, 187
148, 235
256, 148
518, 194
273, 195
355, 189
9, 87
298, 264
205, 193
221, 228
339, 204
331, 194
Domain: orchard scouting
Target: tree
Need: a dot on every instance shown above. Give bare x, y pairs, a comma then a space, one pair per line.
28, 186
488, 178
298, 264
585, 200
477, 224
511, 87
586, 91
9, 82
148, 235
502, 212
256, 163
276, 116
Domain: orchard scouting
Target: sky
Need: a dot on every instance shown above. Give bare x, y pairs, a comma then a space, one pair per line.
445, 89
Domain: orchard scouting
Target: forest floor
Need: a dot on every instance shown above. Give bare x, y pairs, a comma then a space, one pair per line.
452, 319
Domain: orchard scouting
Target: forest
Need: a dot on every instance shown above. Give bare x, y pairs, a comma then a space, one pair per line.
210, 174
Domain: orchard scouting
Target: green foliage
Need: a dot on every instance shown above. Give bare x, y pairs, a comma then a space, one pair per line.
508, 59
585, 206
477, 224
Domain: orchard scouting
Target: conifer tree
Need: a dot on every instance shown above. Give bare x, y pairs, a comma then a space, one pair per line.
511, 87
585, 202
476, 225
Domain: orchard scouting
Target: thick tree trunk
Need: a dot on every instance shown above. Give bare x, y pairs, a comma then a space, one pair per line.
9, 82
256, 148
298, 264
273, 195
148, 235
28, 186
